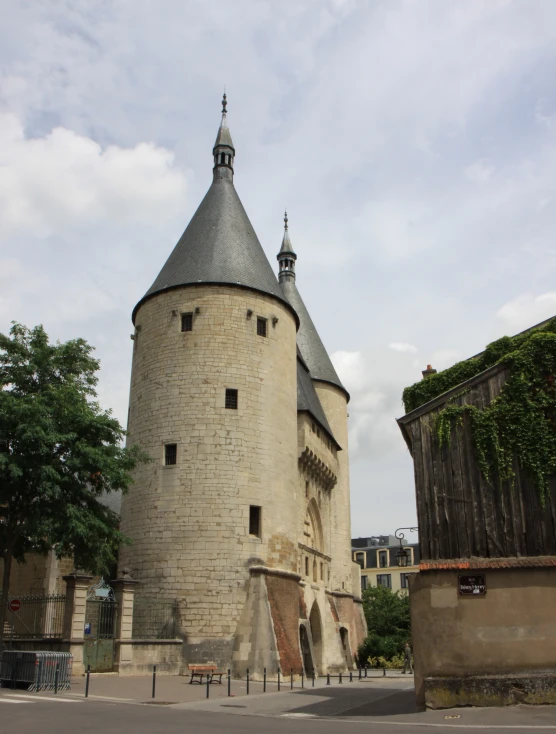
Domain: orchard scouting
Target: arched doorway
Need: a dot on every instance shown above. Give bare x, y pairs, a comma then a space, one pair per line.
316, 634
344, 637
305, 646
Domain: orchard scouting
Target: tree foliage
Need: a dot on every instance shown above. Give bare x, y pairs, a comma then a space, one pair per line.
388, 623
60, 453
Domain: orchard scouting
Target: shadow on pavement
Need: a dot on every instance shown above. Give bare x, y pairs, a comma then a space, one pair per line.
366, 702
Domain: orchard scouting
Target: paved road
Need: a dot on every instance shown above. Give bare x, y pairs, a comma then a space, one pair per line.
335, 711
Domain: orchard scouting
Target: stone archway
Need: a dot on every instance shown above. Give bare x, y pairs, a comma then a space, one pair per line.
305, 647
346, 649
313, 527
315, 623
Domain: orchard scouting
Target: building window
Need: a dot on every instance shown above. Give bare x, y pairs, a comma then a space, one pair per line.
255, 521
261, 326
306, 488
383, 559
315, 579
187, 322
231, 399
360, 559
170, 454
322, 571
363, 583
384, 579
306, 566
404, 580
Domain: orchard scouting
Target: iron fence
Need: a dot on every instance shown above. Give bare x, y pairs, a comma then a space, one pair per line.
38, 617
155, 618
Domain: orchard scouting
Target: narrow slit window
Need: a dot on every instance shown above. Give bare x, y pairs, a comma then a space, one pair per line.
171, 454
255, 521
231, 399
222, 158
306, 566
187, 322
261, 326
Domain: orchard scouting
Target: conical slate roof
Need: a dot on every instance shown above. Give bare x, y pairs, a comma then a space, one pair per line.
308, 400
219, 244
310, 345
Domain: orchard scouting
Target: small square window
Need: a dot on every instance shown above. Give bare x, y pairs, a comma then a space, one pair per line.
187, 322
261, 326
255, 521
171, 454
231, 399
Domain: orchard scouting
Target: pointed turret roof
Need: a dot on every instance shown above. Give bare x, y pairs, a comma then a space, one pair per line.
286, 248
309, 342
219, 245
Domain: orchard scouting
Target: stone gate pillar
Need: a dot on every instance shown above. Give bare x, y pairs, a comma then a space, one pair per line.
74, 617
124, 593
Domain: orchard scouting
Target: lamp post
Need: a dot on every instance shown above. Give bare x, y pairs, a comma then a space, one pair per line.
402, 556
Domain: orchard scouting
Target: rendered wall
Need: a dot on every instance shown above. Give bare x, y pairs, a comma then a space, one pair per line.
510, 631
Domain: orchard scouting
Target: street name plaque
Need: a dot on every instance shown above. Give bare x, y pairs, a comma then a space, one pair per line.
472, 585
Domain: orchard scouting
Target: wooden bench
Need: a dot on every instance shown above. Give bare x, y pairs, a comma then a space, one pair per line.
211, 671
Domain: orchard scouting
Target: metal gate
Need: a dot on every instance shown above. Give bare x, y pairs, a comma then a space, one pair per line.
100, 625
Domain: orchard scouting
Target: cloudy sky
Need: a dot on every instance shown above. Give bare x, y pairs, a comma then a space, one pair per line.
413, 142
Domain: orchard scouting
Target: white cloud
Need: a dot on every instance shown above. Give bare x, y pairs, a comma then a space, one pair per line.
479, 171
527, 310
63, 181
403, 347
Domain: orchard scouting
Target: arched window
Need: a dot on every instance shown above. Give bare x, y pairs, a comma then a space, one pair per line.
222, 158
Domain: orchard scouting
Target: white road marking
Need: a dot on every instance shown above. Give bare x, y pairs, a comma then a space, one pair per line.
3, 699
29, 697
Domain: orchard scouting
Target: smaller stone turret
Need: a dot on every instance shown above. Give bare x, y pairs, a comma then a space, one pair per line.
286, 257
223, 151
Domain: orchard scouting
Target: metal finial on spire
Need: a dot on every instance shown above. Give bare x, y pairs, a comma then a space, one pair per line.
224, 104
285, 220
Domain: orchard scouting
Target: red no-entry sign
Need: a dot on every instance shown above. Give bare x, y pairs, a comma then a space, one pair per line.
14, 605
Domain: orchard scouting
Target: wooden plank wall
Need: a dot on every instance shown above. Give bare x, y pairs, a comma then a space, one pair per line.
460, 515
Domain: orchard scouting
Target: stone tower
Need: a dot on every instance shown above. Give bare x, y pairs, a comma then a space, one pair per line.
243, 516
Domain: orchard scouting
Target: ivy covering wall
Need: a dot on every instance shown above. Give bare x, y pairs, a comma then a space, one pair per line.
520, 424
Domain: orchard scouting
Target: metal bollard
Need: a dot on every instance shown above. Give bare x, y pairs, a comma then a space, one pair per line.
359, 673
313, 678
291, 679
340, 678
328, 679
384, 672
87, 681
229, 684
264, 681
351, 676
302, 679
247, 681
56, 674
365, 671
208, 685
278, 678
154, 680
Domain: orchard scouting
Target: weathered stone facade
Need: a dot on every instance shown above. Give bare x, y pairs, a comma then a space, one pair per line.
281, 593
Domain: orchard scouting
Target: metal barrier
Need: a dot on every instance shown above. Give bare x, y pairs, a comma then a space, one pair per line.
40, 671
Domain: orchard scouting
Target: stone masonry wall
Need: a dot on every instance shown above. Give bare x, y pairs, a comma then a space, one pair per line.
190, 522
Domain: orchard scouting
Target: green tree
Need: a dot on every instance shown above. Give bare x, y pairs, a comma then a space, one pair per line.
59, 454
388, 623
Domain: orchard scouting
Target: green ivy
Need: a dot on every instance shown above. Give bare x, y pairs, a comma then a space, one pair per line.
520, 423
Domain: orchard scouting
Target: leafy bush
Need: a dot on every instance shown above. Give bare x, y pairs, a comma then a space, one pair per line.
388, 623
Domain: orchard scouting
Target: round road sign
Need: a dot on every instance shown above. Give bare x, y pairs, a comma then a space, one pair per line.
14, 605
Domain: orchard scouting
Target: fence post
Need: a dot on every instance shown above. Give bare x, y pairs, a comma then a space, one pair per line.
264, 681
124, 594
74, 616
87, 681
229, 684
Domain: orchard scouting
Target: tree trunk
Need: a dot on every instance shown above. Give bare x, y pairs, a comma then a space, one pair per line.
5, 589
